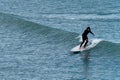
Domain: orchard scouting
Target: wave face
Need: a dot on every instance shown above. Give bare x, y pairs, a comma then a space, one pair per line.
14, 28
33, 51
102, 16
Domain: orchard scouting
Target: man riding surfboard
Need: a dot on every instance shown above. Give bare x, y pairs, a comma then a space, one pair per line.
84, 36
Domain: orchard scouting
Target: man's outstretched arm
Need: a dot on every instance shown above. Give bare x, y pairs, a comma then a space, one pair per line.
92, 33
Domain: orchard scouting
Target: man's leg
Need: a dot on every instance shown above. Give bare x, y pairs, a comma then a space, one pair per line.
82, 43
86, 43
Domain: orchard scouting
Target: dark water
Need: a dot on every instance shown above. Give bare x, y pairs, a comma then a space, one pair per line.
36, 37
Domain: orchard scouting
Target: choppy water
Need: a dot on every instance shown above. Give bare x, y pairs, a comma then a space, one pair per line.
36, 37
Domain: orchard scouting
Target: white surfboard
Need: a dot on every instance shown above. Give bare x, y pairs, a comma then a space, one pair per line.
92, 44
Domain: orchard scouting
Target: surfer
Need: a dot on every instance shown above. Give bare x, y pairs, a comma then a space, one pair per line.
84, 36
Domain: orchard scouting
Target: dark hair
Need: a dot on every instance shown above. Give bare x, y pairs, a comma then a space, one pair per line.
88, 27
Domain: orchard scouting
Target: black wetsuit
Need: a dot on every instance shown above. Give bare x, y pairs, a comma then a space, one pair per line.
84, 37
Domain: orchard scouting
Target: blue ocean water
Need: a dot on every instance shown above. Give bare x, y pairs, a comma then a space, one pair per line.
36, 37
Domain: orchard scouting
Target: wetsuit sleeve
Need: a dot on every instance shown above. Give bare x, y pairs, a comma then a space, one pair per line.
91, 32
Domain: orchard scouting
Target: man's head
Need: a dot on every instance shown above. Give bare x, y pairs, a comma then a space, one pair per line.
88, 28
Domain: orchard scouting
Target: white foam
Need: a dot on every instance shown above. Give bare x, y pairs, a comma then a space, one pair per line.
83, 16
94, 42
